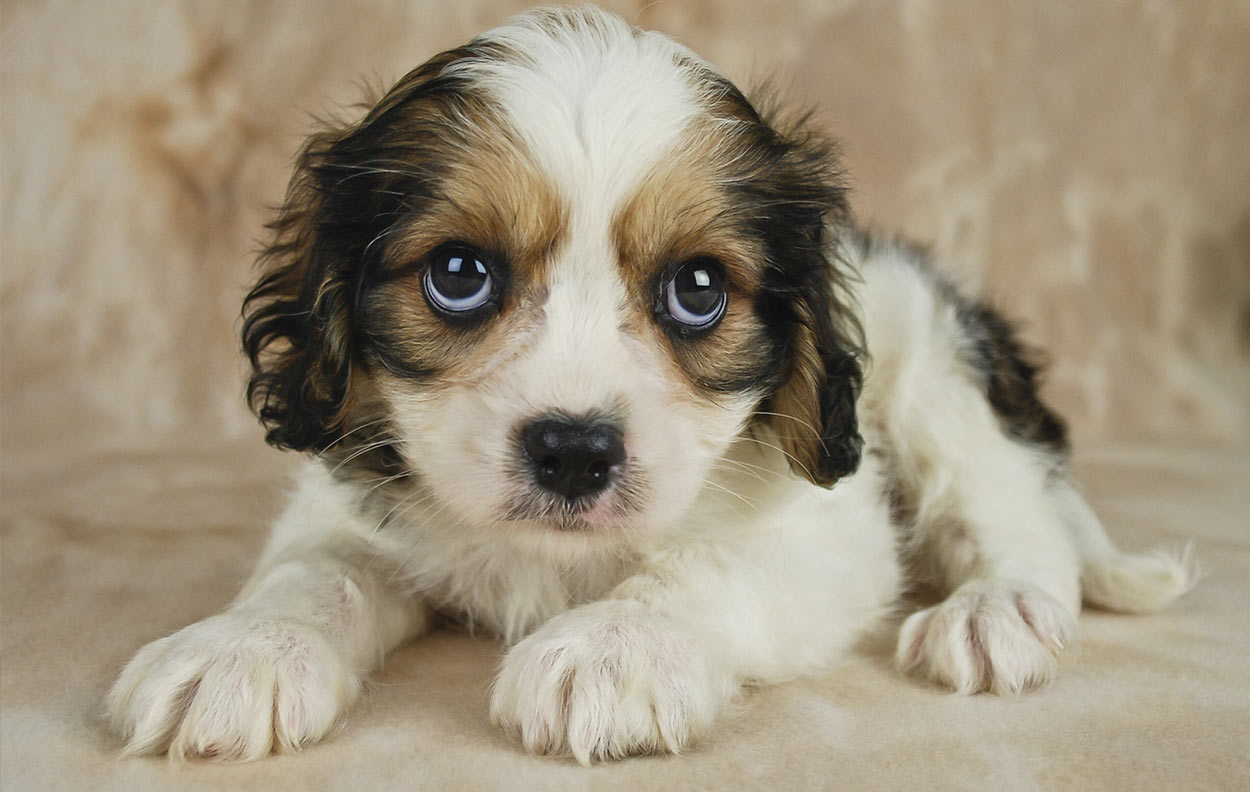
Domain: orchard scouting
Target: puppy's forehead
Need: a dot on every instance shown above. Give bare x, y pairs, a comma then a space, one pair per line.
596, 103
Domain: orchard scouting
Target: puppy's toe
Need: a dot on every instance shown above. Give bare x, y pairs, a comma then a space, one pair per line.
1000, 636
604, 681
234, 686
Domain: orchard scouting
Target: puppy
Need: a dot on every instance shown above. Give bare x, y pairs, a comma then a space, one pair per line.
588, 356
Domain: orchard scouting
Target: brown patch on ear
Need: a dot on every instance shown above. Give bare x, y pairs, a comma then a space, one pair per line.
813, 412
356, 189
795, 409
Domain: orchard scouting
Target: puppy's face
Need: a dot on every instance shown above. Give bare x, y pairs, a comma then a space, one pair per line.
562, 267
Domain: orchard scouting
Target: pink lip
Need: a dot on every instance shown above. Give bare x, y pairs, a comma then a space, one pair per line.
600, 515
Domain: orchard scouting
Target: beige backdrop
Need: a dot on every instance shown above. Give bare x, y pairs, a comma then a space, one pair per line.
1087, 162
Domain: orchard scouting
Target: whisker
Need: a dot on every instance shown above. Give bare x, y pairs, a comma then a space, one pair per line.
800, 422
796, 419
716, 498
322, 452
345, 435
413, 500
399, 565
717, 465
780, 450
390, 441
728, 491
408, 502
750, 467
384, 480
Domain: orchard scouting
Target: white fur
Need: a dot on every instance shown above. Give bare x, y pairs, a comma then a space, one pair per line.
632, 636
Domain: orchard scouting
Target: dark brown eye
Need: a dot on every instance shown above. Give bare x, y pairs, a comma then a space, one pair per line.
695, 295
458, 281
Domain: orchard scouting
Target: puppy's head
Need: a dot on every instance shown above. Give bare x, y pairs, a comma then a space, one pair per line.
551, 275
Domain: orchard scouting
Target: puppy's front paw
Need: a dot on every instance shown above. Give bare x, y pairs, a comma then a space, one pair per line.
1000, 636
606, 680
234, 686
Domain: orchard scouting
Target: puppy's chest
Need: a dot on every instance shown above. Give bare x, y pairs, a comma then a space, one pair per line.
490, 585
506, 612
511, 599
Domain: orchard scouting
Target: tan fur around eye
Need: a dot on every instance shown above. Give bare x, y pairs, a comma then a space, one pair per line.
496, 204
679, 212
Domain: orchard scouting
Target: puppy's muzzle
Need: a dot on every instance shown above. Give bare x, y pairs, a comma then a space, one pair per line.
571, 457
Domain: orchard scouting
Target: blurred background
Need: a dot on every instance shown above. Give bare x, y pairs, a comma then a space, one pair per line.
1085, 163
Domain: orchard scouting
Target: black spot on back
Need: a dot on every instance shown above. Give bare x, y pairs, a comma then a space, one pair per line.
1010, 370
1011, 374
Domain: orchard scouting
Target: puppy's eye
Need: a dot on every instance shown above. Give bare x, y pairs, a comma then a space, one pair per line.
458, 281
695, 295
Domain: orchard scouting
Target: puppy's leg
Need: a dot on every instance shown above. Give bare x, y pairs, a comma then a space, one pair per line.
987, 531
977, 463
764, 587
997, 524
281, 664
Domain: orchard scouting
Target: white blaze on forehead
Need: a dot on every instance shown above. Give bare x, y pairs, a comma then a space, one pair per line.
595, 105
596, 102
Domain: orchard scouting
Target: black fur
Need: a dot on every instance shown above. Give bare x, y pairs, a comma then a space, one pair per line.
796, 200
1011, 375
301, 328
1010, 371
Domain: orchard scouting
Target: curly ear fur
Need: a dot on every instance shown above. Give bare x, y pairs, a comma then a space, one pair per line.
812, 411
299, 328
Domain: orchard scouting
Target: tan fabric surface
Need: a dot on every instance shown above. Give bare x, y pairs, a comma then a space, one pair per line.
1085, 162
124, 546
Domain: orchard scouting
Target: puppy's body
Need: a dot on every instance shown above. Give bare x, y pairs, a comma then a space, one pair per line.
583, 343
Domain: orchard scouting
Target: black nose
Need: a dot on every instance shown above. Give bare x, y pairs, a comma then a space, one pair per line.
573, 458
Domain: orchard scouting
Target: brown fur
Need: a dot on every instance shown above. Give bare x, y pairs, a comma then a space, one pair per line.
678, 214
341, 295
431, 165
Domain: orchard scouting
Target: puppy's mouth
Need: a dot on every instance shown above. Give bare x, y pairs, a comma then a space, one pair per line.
613, 508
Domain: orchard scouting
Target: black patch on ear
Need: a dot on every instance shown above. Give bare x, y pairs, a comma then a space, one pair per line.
798, 202
353, 183
820, 389
841, 443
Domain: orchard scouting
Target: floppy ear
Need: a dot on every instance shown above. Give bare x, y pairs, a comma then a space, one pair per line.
300, 326
297, 328
814, 407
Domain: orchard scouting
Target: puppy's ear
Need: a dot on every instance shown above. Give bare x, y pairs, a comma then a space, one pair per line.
812, 411
297, 328
814, 408
352, 185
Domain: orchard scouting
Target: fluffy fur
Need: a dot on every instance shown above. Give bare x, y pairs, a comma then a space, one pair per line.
850, 419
